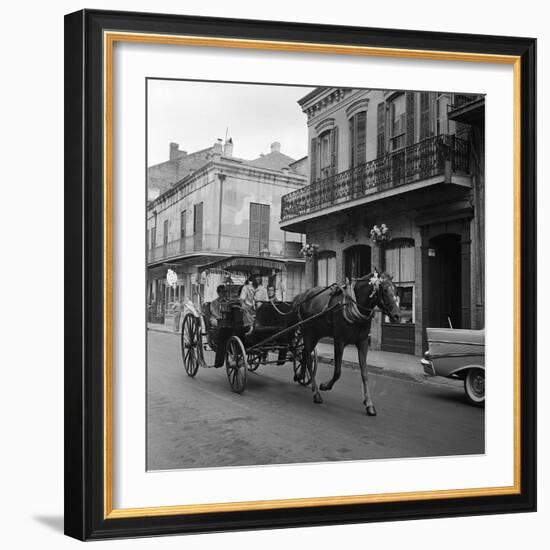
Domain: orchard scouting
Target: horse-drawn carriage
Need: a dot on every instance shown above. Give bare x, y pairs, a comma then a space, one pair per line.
274, 338
290, 330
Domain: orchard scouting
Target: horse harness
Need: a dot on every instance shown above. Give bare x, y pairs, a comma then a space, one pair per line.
352, 311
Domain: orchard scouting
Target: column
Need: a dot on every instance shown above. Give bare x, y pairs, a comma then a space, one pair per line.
465, 262
310, 272
423, 283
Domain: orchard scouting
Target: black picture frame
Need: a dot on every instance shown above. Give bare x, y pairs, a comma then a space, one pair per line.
85, 516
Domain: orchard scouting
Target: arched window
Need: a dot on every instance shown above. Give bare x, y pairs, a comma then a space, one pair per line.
399, 258
326, 268
397, 122
357, 261
324, 153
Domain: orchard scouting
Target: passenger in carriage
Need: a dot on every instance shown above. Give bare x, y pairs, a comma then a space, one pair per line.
247, 303
260, 293
272, 293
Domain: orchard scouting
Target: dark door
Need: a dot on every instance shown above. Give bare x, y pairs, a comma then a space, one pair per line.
357, 261
445, 281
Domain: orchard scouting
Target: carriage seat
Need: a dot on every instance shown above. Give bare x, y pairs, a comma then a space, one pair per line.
270, 318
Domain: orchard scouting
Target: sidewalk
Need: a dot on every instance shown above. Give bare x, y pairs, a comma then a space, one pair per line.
396, 363
402, 363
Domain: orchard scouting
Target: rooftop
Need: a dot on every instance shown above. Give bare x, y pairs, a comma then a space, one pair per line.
164, 176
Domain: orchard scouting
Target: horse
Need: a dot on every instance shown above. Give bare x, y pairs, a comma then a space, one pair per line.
347, 319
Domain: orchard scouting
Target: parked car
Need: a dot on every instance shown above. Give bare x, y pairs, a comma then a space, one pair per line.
460, 354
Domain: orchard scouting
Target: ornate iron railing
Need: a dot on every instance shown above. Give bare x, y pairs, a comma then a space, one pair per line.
462, 100
230, 244
422, 160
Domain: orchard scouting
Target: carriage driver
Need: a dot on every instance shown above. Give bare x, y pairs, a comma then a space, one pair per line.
215, 309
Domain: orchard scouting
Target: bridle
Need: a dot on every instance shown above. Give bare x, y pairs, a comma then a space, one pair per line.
377, 291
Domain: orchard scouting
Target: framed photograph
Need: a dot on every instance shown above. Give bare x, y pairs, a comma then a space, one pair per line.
300, 274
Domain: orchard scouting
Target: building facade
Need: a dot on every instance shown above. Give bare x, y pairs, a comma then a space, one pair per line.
222, 206
412, 161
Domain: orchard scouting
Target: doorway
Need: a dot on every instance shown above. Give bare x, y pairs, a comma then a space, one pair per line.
357, 261
445, 281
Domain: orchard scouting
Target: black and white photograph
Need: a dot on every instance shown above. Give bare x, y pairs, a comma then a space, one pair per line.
315, 278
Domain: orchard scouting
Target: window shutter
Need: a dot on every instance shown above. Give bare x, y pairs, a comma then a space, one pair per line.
197, 226
352, 142
264, 226
165, 236
425, 115
381, 130
254, 229
334, 151
410, 96
313, 152
361, 133
183, 216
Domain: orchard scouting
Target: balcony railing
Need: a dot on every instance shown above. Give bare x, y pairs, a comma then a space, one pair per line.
228, 244
463, 100
422, 160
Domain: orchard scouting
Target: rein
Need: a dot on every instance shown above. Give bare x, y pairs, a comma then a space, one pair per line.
352, 311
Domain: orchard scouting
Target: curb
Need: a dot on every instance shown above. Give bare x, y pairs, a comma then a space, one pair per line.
377, 370
326, 360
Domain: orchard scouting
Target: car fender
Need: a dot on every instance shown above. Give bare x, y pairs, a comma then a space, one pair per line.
461, 371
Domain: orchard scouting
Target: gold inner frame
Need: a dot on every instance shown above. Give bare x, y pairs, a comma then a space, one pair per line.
109, 39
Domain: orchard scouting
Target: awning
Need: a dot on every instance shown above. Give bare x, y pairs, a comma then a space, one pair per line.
249, 264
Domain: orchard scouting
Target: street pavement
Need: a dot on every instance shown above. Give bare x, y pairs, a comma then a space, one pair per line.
199, 422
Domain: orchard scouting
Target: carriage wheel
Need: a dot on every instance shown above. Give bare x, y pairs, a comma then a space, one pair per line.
254, 360
190, 342
298, 348
236, 364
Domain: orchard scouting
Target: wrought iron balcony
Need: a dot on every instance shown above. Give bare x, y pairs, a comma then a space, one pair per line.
423, 160
229, 244
466, 107
462, 100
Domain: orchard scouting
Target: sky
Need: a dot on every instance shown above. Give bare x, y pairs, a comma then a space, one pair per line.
195, 114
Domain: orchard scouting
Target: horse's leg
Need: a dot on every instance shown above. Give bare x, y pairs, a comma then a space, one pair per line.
309, 346
338, 353
362, 348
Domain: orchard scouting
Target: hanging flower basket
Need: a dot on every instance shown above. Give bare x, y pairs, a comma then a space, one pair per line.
380, 234
309, 250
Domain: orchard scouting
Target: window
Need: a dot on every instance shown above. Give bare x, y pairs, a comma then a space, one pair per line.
400, 265
358, 139
324, 155
258, 236
326, 268
425, 123
397, 122
381, 130
153, 241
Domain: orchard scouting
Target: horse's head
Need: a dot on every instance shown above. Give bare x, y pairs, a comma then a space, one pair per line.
387, 298
382, 293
